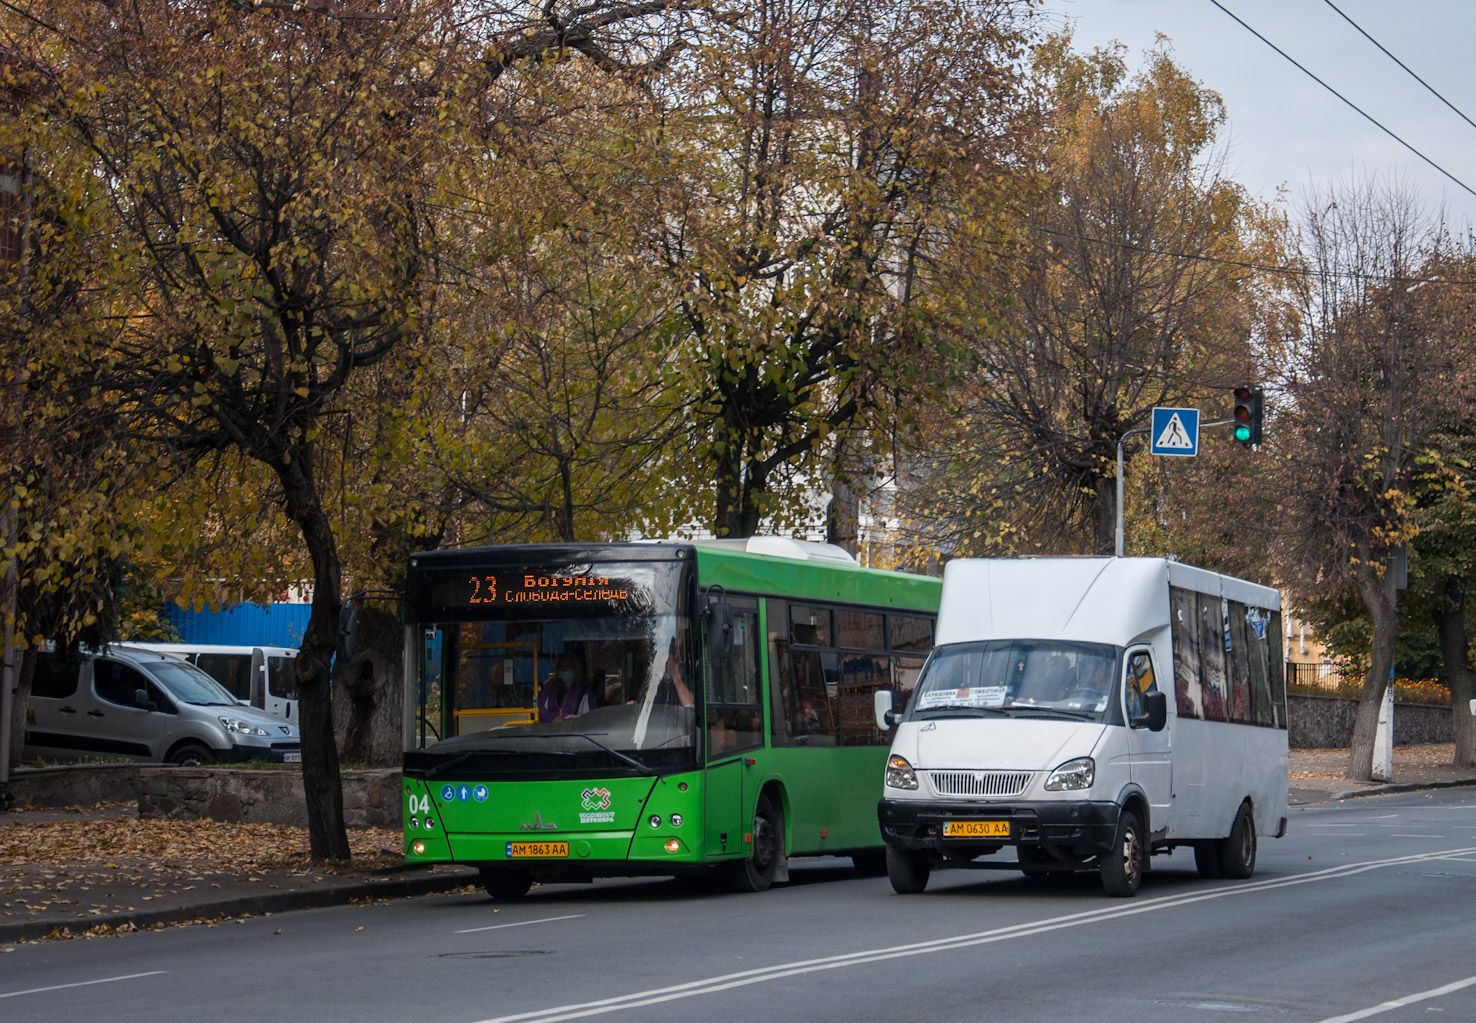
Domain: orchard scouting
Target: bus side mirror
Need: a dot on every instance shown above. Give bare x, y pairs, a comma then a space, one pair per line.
719, 630
1155, 711
886, 717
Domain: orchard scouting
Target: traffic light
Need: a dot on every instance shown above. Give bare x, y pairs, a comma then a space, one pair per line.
1247, 428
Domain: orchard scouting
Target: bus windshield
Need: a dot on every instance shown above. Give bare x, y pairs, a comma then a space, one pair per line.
1018, 678
563, 669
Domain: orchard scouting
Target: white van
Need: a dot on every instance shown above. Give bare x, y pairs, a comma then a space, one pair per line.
262, 676
149, 707
1043, 720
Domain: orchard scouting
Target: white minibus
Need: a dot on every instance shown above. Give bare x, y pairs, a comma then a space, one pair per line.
1043, 720
262, 676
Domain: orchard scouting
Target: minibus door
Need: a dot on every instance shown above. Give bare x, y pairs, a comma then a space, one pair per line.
1150, 753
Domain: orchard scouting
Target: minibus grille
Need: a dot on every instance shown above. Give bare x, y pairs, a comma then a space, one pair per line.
979, 783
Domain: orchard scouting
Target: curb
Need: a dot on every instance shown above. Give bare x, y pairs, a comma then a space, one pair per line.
272, 902
1409, 786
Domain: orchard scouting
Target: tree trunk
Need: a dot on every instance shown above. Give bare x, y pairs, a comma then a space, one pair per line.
321, 784
369, 690
26, 671
1455, 650
843, 519
1381, 601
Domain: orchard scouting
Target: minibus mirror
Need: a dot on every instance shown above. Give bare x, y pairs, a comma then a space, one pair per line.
719, 629
1155, 707
885, 716
141, 700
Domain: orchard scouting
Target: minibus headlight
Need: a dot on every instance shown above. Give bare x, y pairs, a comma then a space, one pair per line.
1074, 774
900, 774
240, 727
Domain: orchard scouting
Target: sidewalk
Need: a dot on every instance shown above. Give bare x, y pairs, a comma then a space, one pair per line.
94, 871
1320, 775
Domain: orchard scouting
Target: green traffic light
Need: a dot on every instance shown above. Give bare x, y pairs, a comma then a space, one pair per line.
1242, 433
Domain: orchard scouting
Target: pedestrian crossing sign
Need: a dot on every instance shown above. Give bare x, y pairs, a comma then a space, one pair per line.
1175, 431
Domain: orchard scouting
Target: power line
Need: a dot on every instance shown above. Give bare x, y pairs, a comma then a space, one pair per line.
1369, 117
1401, 63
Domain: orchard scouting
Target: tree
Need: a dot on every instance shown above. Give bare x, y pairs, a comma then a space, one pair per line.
1121, 293
1380, 361
823, 150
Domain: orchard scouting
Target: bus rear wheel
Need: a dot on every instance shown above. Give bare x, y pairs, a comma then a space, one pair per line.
506, 884
756, 871
908, 871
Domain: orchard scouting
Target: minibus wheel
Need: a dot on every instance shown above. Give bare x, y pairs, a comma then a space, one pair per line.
505, 884
1122, 865
1238, 852
908, 871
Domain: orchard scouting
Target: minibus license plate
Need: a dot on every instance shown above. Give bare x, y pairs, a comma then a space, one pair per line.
976, 829
539, 849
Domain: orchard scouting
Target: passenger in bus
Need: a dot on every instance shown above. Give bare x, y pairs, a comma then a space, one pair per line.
672, 673
565, 693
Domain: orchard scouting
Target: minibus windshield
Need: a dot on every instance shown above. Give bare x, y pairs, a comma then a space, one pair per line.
1021, 678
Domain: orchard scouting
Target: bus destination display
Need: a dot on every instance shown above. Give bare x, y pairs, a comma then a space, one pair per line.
501, 589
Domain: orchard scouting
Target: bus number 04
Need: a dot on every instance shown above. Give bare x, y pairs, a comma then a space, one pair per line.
419, 804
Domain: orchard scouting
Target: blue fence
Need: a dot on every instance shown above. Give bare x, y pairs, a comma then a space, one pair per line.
242, 624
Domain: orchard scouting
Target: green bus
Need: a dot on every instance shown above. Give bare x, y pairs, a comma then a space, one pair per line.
576, 711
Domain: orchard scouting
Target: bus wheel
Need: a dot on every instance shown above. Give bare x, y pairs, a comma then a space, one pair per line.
502, 883
1238, 851
1122, 865
755, 873
192, 755
908, 871
872, 863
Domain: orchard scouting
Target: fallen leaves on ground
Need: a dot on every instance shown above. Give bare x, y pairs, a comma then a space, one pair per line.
200, 845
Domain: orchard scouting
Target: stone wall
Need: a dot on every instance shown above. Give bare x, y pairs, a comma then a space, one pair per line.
75, 785
1326, 722
371, 799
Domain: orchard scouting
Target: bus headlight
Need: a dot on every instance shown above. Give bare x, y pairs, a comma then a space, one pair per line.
900, 774
1074, 774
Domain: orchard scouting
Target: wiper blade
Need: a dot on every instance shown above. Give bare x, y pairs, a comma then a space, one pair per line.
632, 761
966, 711
1073, 715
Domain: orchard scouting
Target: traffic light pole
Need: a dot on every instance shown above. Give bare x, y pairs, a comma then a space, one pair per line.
1131, 433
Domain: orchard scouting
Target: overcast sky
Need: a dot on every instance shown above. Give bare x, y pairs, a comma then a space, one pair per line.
1284, 128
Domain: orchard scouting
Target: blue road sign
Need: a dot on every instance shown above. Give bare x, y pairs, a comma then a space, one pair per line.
1175, 432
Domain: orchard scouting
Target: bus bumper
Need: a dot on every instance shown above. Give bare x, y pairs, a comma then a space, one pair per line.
1083, 827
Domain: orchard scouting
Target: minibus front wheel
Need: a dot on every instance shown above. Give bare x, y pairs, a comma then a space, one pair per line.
907, 870
1122, 865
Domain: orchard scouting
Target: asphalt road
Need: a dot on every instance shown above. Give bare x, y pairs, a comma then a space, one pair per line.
1365, 911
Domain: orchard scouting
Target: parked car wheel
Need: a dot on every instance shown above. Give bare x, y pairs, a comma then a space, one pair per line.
191, 754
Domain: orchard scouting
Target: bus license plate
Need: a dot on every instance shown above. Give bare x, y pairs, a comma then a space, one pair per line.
976, 829
516, 850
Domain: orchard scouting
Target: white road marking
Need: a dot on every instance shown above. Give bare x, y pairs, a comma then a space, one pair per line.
1339, 825
1414, 836
1400, 1003
81, 983
521, 923
724, 982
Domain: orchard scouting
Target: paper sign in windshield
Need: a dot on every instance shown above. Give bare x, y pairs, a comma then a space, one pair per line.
978, 696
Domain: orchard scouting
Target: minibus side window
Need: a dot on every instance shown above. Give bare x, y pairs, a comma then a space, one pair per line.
1188, 694
1212, 657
